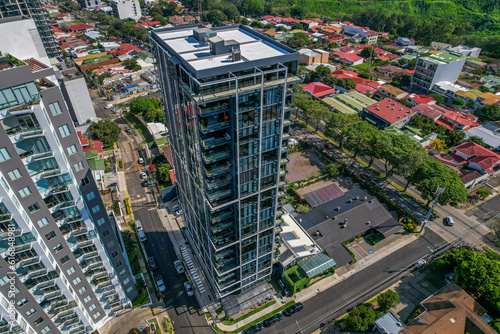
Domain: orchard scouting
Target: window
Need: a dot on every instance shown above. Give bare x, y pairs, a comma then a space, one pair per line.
96, 209
55, 108
22, 302
97, 315
119, 263
100, 221
110, 244
4, 184
64, 130
42, 222
45, 330
126, 281
105, 233
114, 254
122, 272
14, 174
50, 235
82, 290
92, 307
77, 280
4, 280
130, 288
90, 196
71, 149
34, 208
85, 181
58, 248
24, 191
38, 321
4, 154
71, 270
87, 299
78, 166
64, 259
31, 311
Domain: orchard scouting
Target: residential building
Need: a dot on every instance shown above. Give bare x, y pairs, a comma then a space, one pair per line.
405, 41
494, 66
64, 17
363, 32
416, 99
492, 80
318, 89
438, 46
477, 157
450, 310
90, 4
388, 112
333, 38
486, 99
33, 9
457, 120
489, 133
389, 70
353, 36
465, 51
71, 272
391, 91
126, 9
432, 111
348, 58
445, 66
176, 20
337, 106
308, 57
356, 100
475, 63
228, 115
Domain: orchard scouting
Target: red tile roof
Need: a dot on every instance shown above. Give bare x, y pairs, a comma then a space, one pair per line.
485, 158
97, 147
463, 119
361, 47
390, 110
348, 56
319, 89
83, 141
444, 122
81, 26
148, 24
35, 65
62, 15
363, 88
409, 71
420, 99
124, 49
100, 64
432, 111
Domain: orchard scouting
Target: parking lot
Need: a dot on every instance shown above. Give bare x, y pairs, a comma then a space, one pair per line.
361, 248
304, 165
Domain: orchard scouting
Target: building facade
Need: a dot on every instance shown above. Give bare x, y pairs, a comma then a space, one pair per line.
126, 9
61, 253
33, 9
226, 99
429, 70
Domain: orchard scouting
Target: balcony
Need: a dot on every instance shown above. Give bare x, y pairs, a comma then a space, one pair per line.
58, 189
287, 122
222, 226
214, 170
25, 132
213, 127
214, 109
216, 195
42, 155
284, 161
286, 136
50, 172
213, 156
214, 142
224, 242
5, 215
214, 184
220, 216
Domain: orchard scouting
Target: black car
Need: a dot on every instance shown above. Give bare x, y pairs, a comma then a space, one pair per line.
152, 263
272, 320
254, 329
292, 309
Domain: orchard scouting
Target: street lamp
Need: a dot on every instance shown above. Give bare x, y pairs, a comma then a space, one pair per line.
439, 191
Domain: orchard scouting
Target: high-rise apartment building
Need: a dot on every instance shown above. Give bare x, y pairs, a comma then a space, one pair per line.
434, 68
226, 93
33, 9
126, 9
60, 251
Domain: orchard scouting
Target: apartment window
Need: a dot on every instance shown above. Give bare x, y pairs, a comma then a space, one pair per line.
125, 281
14, 174
82, 290
110, 244
58, 248
100, 221
77, 280
24, 191
30, 312
85, 181
4, 184
45, 330
92, 307
122, 272
105, 233
96, 209
38, 321
114, 254
64, 259
22, 302
71, 270
34, 208
78, 166
90, 196
71, 149
4, 280
4, 154
130, 288
119, 263
50, 235
64, 130
97, 315
55, 108
87, 299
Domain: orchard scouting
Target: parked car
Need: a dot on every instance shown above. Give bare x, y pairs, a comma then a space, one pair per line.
189, 289
254, 329
176, 207
142, 235
449, 221
141, 161
108, 106
327, 146
127, 129
179, 212
144, 175
420, 263
152, 263
178, 267
159, 283
272, 320
292, 309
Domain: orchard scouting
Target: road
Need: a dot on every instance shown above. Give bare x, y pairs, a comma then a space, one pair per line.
334, 301
182, 309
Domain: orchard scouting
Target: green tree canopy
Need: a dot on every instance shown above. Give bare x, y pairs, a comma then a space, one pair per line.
387, 300
106, 131
131, 64
459, 101
439, 98
163, 175
141, 105
366, 52
361, 318
477, 140
489, 112
216, 17
338, 124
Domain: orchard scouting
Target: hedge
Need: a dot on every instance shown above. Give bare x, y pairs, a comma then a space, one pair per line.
127, 206
303, 281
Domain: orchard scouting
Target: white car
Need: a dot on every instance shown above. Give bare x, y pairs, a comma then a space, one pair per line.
108, 106
141, 161
159, 283
420, 263
179, 212
178, 267
144, 175
449, 221
189, 289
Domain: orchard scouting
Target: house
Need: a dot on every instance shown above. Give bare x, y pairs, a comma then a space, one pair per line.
348, 49
475, 63
308, 24
363, 32
492, 80
477, 157
416, 99
271, 33
349, 58
389, 70
308, 57
469, 177
489, 133
440, 46
450, 310
405, 41
355, 100
318, 89
64, 17
432, 111
388, 112
457, 120
417, 135
487, 99
494, 66
176, 20
465, 51
81, 27
188, 19
353, 37
391, 91
333, 38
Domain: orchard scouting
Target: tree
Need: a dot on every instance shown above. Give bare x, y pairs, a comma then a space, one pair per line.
365, 75
159, 18
257, 24
489, 112
320, 113
338, 124
484, 193
106, 131
302, 208
439, 98
459, 102
387, 300
359, 138
245, 21
231, 11
297, 12
163, 175
380, 143
131, 64
432, 174
477, 140
346, 83
251, 7
437, 144
366, 52
281, 28
413, 158
216, 17
333, 170
141, 105
361, 318
298, 26
455, 137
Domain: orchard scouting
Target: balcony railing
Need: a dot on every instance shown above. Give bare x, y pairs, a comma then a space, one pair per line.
219, 194
212, 171
213, 127
24, 131
211, 110
218, 182
211, 156
222, 226
214, 142
220, 216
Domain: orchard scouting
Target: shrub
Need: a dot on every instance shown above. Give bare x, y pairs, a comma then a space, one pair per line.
410, 227
127, 206
120, 163
116, 208
484, 193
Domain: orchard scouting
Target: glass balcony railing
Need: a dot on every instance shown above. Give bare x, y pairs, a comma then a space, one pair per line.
284, 161
214, 184
214, 142
220, 216
213, 109
42, 155
214, 196
213, 156
24, 131
213, 127
224, 242
214, 170
222, 226
59, 189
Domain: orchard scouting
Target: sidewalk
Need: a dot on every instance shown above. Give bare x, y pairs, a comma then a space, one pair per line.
129, 319
340, 275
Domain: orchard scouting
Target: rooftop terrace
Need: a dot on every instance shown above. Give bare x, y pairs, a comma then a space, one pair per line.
444, 57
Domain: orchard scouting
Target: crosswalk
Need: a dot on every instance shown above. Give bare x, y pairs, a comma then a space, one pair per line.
193, 272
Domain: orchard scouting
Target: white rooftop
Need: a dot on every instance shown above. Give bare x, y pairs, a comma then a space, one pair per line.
296, 239
450, 86
198, 54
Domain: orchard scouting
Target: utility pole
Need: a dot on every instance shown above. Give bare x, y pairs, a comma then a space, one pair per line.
439, 191
370, 60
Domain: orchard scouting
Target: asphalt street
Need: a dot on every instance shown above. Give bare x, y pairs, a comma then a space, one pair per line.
182, 309
367, 283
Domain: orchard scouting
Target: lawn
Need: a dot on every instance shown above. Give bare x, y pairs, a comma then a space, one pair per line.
141, 128
362, 67
230, 321
157, 325
143, 297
